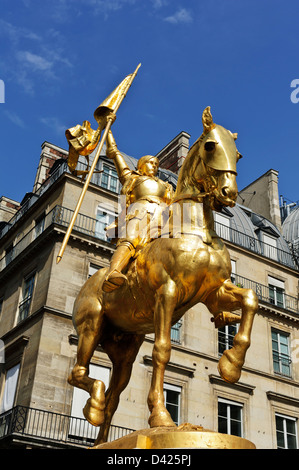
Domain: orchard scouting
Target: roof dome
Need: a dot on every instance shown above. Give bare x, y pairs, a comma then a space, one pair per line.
248, 229
290, 227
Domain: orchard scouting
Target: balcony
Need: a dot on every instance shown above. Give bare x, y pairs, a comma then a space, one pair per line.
288, 303
255, 245
59, 216
97, 179
48, 429
90, 226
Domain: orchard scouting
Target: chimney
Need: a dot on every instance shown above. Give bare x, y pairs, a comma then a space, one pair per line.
172, 156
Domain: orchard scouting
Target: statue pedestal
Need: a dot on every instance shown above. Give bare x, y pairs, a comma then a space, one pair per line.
186, 436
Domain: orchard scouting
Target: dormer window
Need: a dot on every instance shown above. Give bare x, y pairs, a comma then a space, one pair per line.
269, 246
222, 226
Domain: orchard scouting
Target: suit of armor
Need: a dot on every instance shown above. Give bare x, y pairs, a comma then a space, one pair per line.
146, 197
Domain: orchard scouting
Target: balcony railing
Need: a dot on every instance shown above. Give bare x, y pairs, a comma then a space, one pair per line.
255, 245
96, 179
289, 303
53, 427
60, 216
89, 226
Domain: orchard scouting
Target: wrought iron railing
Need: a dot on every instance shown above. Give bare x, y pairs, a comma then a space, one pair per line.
289, 302
87, 225
58, 215
33, 197
90, 226
53, 427
255, 245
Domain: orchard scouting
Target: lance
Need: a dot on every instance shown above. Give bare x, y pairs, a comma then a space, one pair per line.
113, 102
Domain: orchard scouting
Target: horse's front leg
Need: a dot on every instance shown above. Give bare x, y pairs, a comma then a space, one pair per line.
88, 320
164, 307
230, 297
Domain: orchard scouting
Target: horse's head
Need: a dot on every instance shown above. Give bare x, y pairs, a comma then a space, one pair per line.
216, 171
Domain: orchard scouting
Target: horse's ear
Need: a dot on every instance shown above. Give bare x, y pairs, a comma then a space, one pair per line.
207, 120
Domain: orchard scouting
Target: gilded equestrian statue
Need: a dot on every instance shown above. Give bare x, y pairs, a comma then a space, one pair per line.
187, 264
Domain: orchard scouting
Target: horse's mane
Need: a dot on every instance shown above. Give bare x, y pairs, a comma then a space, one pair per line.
188, 167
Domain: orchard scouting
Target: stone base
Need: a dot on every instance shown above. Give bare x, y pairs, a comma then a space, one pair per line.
186, 436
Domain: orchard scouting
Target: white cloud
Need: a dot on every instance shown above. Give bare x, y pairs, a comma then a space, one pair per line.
14, 118
180, 16
35, 61
159, 3
54, 124
16, 34
30, 57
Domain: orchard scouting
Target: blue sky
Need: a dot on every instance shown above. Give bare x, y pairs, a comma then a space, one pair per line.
59, 59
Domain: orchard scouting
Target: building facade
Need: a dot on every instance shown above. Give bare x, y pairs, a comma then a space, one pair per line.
38, 408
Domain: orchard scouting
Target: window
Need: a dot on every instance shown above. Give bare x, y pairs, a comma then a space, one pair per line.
24, 305
281, 353
222, 226
230, 419
10, 388
9, 254
276, 291
233, 273
39, 225
104, 218
172, 397
93, 268
286, 432
78, 427
269, 246
175, 333
109, 178
225, 337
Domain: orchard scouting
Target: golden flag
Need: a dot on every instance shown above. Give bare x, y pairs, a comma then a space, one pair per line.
83, 139
112, 101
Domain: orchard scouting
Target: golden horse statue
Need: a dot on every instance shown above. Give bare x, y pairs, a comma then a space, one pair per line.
186, 265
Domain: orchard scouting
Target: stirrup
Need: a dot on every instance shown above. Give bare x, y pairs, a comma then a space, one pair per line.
113, 281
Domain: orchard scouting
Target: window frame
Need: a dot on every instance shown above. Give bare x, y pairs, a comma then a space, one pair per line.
92, 269
228, 418
228, 337
285, 431
109, 213
39, 226
233, 270
224, 226
28, 298
279, 354
176, 332
173, 388
109, 175
270, 249
3, 408
83, 430
273, 285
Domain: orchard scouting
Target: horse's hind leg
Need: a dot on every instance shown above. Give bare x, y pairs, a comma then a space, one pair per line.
165, 303
122, 351
88, 322
230, 297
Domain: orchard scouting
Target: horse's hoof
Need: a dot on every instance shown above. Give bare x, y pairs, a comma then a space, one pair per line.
229, 370
160, 419
95, 405
93, 415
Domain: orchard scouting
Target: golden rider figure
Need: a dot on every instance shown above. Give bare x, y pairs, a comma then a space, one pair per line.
146, 197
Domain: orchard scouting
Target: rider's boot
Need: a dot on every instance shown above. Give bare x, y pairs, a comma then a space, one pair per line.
114, 278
